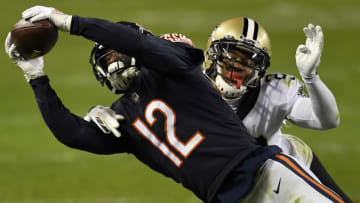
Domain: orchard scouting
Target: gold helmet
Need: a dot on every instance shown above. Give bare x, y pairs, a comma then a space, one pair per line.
244, 35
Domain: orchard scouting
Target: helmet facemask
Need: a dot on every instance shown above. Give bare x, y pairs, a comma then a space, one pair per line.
107, 72
230, 37
251, 61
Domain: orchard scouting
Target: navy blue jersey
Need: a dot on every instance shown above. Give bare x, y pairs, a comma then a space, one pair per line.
177, 123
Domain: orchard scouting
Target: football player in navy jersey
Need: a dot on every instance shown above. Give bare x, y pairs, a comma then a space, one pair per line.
172, 120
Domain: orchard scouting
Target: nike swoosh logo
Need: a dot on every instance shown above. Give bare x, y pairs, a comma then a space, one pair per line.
278, 188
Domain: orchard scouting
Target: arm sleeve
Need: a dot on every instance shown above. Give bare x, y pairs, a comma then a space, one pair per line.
68, 128
319, 110
151, 51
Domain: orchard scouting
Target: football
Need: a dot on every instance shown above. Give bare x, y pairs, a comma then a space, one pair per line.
34, 39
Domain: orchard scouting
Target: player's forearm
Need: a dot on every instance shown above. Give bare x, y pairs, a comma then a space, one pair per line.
323, 103
151, 51
68, 128
112, 35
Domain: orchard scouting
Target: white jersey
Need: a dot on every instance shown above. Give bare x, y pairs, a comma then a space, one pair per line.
277, 95
263, 111
276, 98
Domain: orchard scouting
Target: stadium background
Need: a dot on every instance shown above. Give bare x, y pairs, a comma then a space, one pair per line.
36, 168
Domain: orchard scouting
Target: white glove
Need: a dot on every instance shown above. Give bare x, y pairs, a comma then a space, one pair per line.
123, 80
32, 68
308, 56
105, 118
59, 19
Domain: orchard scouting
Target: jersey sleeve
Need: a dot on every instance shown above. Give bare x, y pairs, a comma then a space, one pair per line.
319, 111
294, 92
69, 128
151, 51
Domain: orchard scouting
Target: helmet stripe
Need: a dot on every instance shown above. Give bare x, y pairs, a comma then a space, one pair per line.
251, 30
245, 30
256, 30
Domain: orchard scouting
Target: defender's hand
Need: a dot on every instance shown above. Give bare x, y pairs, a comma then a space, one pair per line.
59, 19
32, 68
308, 56
105, 118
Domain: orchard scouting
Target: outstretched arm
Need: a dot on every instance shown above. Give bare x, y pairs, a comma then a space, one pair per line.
68, 128
320, 111
151, 51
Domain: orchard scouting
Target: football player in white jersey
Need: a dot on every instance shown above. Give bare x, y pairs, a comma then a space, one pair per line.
237, 57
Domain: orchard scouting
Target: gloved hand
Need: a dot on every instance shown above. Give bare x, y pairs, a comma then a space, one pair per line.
32, 68
308, 56
59, 19
105, 118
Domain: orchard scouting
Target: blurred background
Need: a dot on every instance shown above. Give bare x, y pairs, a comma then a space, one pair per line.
36, 168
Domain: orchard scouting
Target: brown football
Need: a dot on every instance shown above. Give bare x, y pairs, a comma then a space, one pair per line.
34, 39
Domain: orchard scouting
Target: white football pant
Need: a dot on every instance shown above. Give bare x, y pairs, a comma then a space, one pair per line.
295, 147
283, 179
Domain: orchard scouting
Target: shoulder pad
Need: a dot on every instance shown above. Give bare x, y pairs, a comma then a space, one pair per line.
279, 76
283, 81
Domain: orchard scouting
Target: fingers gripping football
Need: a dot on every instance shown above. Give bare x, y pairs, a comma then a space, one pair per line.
32, 68
308, 55
106, 119
59, 19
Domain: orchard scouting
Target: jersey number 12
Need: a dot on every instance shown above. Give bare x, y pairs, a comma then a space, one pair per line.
184, 149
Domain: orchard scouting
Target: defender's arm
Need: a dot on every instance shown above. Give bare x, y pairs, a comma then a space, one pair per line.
320, 111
